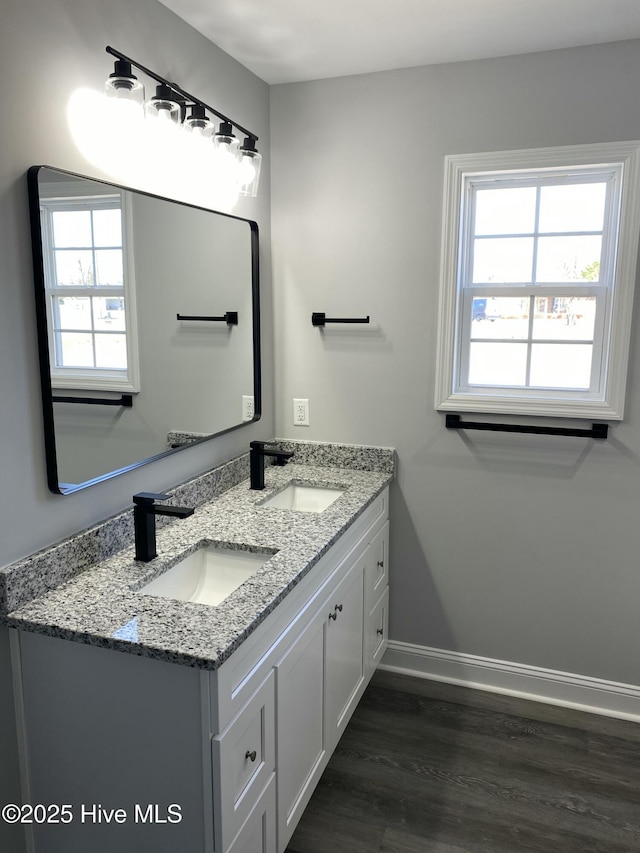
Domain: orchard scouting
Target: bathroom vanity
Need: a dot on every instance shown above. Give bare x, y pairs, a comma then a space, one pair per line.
211, 733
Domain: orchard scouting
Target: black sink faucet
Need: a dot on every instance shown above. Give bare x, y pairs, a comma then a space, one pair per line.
257, 453
144, 521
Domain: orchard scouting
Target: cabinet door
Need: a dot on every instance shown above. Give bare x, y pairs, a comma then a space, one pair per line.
258, 835
301, 741
344, 652
376, 630
377, 572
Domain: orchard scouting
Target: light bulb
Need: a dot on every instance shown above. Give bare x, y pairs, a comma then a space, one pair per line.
197, 123
224, 140
247, 171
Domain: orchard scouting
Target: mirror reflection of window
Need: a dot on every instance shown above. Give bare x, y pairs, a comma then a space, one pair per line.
89, 287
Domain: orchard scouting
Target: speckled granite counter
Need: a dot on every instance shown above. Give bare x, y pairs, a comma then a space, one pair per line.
101, 607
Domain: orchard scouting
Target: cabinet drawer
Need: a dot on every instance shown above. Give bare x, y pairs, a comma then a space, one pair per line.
377, 633
243, 760
377, 572
258, 835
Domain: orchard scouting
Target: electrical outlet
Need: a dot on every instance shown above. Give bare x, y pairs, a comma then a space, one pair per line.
248, 408
300, 412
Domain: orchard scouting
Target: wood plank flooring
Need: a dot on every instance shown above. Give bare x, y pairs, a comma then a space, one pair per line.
434, 768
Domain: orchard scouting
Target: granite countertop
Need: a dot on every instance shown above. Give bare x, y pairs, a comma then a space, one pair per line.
101, 607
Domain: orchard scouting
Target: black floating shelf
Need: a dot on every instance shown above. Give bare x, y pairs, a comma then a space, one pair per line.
319, 318
596, 431
230, 318
125, 400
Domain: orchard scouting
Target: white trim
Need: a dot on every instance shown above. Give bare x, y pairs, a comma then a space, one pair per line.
457, 167
595, 695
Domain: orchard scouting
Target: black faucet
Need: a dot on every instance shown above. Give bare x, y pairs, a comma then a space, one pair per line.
144, 521
257, 453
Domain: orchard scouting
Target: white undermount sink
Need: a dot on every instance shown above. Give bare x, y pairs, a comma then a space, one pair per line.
301, 498
207, 576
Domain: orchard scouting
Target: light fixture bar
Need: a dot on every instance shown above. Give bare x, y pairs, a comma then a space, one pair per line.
180, 91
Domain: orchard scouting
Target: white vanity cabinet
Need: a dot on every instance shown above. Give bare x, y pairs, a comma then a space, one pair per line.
239, 749
320, 679
322, 645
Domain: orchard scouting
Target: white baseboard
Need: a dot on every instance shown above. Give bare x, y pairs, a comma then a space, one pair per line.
584, 693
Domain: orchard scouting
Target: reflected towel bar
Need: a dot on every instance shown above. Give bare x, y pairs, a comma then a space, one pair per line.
230, 318
596, 431
125, 400
318, 318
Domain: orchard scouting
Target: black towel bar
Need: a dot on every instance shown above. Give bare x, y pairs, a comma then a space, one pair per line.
230, 318
125, 400
319, 318
596, 431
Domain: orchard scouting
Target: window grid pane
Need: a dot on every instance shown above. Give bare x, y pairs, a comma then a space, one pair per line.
561, 366
502, 260
572, 207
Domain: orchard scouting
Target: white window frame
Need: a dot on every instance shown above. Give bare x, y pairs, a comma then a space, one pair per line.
605, 400
68, 196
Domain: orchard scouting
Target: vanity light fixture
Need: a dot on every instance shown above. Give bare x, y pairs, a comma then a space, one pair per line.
173, 106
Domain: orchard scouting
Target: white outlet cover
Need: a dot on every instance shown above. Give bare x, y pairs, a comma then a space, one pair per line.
300, 411
248, 407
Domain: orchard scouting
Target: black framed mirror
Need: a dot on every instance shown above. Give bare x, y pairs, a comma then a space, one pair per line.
148, 322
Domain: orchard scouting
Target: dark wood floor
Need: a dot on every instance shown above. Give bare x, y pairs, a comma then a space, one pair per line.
431, 767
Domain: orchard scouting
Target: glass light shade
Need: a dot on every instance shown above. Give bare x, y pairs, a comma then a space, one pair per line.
142, 158
225, 141
250, 162
123, 85
163, 106
197, 123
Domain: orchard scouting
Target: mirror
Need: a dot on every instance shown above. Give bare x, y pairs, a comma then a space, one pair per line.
148, 325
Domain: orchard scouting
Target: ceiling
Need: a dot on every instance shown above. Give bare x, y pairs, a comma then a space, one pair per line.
292, 40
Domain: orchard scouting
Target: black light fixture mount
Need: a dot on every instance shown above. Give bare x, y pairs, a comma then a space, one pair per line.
122, 76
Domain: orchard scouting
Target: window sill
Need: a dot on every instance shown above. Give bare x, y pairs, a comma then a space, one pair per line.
580, 410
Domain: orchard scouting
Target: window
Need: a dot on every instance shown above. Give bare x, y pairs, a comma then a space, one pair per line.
538, 269
89, 288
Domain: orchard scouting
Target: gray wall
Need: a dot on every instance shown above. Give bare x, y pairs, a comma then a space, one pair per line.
46, 51
520, 548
